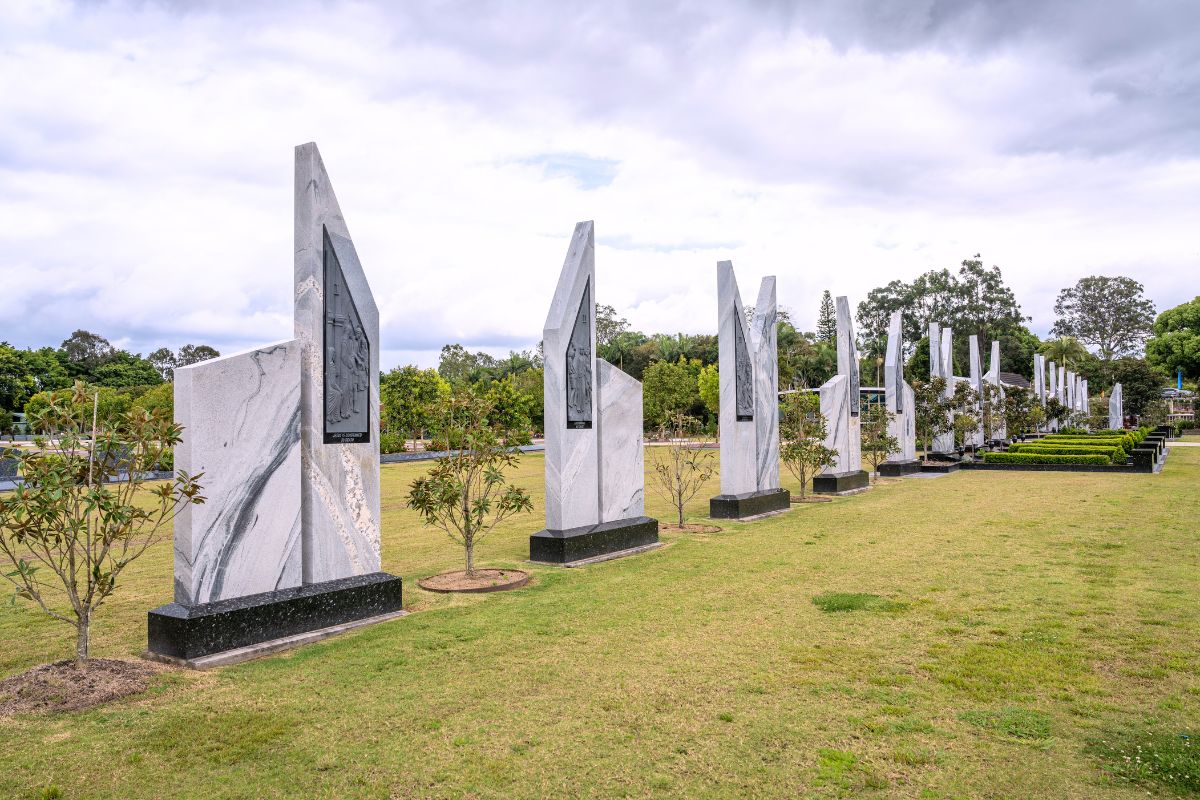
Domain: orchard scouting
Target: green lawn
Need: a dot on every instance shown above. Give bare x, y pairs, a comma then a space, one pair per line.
978, 635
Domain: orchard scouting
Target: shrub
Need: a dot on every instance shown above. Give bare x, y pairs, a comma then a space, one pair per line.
1114, 454
391, 443
1042, 458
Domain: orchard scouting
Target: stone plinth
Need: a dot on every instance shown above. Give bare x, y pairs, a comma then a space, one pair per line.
183, 633
241, 420
841, 482
592, 541
750, 504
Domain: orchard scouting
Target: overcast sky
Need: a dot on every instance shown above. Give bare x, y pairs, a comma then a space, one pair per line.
146, 157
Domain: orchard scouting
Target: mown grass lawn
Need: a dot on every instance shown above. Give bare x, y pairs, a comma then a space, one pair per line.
1018, 619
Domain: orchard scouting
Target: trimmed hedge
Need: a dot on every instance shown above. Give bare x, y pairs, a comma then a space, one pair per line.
1042, 458
1114, 454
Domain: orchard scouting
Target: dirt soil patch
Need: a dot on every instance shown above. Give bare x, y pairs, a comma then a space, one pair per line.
484, 580
57, 687
689, 528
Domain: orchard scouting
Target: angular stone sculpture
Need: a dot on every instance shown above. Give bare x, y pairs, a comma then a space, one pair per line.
941, 365
901, 404
1085, 402
999, 429
840, 405
749, 398
976, 439
337, 323
1116, 408
1039, 381
1070, 392
1052, 392
595, 484
287, 436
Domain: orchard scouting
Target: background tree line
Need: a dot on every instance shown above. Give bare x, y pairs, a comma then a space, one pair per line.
28, 376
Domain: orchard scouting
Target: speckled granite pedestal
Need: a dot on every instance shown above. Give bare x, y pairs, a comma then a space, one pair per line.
190, 635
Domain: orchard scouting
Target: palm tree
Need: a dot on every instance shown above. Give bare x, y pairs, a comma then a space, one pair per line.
1066, 351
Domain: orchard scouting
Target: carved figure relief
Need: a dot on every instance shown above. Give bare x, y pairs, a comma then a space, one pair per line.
579, 365
347, 359
855, 382
743, 372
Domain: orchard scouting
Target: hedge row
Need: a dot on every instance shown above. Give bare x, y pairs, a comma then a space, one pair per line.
1042, 458
1116, 455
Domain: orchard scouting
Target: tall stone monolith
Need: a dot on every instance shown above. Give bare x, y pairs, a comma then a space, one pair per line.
595, 484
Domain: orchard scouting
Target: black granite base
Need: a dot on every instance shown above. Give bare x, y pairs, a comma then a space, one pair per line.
751, 504
898, 469
189, 632
840, 482
591, 541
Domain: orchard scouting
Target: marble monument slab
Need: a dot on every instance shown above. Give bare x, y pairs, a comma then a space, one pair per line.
594, 467
749, 401
1116, 408
899, 395
337, 323
241, 420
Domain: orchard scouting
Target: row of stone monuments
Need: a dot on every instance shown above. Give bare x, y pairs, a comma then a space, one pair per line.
287, 545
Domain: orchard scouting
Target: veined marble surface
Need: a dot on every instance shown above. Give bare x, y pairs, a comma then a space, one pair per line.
993, 377
835, 408
944, 355
766, 387
1052, 391
572, 454
241, 428
622, 468
340, 482
1070, 390
976, 380
739, 440
908, 442
898, 394
1116, 408
849, 459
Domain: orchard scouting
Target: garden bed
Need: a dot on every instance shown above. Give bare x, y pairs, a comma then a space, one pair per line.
61, 686
484, 580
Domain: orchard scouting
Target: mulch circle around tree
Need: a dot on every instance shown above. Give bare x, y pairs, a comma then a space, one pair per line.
689, 528
57, 687
484, 580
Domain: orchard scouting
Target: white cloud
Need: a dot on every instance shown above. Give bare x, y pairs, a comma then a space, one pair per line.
145, 159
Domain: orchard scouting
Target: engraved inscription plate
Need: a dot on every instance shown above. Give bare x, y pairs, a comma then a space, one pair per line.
855, 381
579, 365
743, 373
347, 360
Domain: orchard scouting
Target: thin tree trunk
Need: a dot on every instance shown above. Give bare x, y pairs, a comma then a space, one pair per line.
470, 558
81, 640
